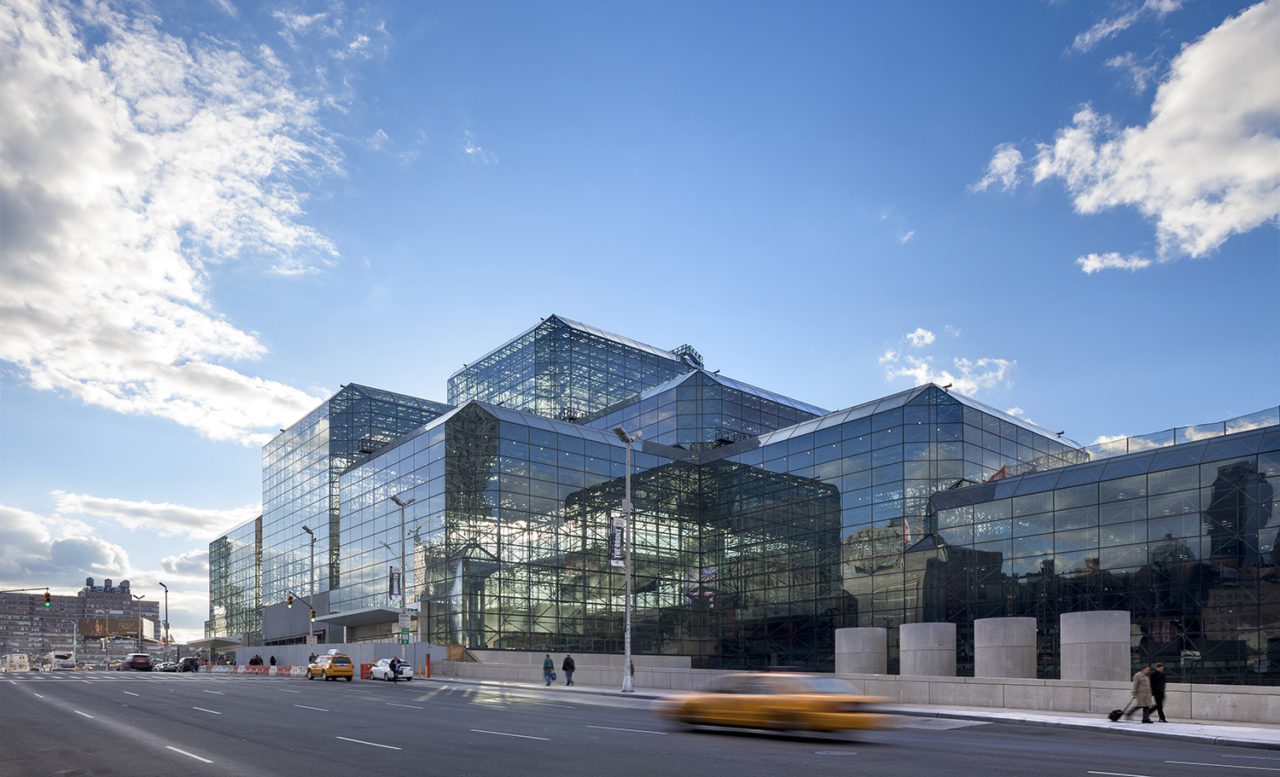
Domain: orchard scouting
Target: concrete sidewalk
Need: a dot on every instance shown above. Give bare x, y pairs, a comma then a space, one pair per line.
1261, 735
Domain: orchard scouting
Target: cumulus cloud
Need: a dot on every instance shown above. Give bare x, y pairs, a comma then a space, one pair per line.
920, 337
128, 168
1138, 75
1206, 165
967, 376
166, 519
1006, 161
1107, 28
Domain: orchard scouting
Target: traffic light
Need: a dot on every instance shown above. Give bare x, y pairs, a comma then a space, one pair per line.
289, 601
47, 602
313, 616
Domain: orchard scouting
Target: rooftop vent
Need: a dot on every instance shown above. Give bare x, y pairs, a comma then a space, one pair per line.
689, 356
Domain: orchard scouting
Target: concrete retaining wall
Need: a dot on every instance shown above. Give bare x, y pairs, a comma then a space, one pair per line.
1004, 647
862, 650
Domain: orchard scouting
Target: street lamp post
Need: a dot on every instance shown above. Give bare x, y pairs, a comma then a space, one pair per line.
404, 590
629, 509
311, 630
139, 597
166, 621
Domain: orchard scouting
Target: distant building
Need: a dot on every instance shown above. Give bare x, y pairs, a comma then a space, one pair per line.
762, 523
99, 622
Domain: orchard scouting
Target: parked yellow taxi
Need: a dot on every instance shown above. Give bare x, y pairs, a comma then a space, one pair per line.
331, 666
780, 701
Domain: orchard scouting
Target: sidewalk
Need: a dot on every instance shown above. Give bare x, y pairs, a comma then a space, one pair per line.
1261, 735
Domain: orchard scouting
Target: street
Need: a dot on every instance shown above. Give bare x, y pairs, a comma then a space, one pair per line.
138, 724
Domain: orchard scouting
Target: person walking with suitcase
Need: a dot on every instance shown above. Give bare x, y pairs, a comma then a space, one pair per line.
1142, 694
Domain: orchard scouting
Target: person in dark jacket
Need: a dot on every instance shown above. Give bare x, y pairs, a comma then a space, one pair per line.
568, 666
1157, 691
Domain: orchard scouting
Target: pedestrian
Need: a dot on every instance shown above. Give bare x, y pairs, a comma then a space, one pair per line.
1141, 690
273, 660
1157, 691
312, 659
568, 666
548, 669
394, 666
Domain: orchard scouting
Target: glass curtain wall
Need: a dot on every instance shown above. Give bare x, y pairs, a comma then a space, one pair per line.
1184, 538
235, 583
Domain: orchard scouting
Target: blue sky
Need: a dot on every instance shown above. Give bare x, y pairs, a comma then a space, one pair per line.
215, 213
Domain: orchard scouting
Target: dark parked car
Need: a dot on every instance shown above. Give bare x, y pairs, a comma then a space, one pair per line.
189, 664
139, 662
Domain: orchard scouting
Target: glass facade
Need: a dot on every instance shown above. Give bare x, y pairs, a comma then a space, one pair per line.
300, 481
235, 583
565, 369
762, 524
1183, 537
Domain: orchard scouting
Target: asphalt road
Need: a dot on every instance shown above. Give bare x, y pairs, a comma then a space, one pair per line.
135, 724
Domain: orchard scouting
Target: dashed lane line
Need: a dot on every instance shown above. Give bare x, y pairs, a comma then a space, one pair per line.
188, 755
408, 706
633, 730
131, 693
87, 715
506, 734
211, 712
371, 744
1227, 766
305, 707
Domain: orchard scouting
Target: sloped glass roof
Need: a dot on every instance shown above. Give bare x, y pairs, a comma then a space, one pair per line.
737, 385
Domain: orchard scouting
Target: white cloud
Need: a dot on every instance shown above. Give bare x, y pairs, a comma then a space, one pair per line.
1107, 28
921, 337
128, 169
166, 519
910, 234
1207, 164
378, 140
1006, 161
1139, 75
1093, 263
473, 151
965, 376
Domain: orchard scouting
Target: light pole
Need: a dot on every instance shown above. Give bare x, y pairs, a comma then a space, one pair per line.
627, 508
403, 588
166, 620
311, 630
139, 597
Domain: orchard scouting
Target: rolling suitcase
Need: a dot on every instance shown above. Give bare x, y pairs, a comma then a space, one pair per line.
1115, 715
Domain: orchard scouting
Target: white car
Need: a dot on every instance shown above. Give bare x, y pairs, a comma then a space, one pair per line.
382, 670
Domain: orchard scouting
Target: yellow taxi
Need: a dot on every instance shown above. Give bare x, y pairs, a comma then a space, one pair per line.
331, 666
780, 701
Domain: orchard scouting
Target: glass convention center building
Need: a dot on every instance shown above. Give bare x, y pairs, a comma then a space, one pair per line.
762, 523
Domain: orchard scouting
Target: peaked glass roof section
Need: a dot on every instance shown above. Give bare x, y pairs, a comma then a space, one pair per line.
910, 396
738, 385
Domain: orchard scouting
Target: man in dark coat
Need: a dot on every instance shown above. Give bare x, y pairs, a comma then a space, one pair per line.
1157, 691
568, 666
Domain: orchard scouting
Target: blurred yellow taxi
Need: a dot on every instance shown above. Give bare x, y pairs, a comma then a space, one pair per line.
331, 666
780, 701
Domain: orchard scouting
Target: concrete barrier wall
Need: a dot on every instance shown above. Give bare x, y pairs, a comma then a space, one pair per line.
862, 650
927, 649
1183, 701
1095, 645
1004, 647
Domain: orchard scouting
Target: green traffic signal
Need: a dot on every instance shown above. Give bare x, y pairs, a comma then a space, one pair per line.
47, 602
313, 616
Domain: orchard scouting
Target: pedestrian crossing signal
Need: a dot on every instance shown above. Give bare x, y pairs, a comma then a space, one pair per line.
289, 601
47, 602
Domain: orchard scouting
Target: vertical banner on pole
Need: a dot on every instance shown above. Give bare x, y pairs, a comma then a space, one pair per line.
617, 543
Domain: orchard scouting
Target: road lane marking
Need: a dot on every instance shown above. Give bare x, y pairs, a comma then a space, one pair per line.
220, 693
1119, 774
202, 709
305, 707
409, 706
38, 695
131, 693
87, 715
86, 682
1227, 766
371, 744
505, 734
189, 755
633, 730
286, 690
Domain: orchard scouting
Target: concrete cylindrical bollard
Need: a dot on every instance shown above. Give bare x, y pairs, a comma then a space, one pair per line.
1095, 645
862, 650
1004, 647
927, 649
